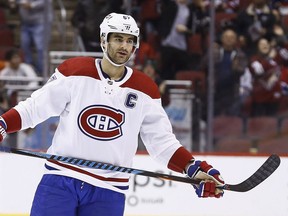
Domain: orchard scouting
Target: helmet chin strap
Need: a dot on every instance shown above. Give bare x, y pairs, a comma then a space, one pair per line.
110, 60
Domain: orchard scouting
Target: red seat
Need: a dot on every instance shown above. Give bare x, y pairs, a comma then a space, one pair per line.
228, 127
228, 134
195, 44
235, 145
198, 79
278, 145
284, 127
262, 127
7, 37
154, 40
283, 106
243, 4
2, 17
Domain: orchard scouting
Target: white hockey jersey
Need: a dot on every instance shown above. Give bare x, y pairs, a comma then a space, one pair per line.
100, 120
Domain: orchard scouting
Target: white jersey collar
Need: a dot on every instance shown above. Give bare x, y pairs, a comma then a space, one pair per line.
128, 74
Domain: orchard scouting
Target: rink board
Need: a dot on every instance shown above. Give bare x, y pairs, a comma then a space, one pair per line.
19, 176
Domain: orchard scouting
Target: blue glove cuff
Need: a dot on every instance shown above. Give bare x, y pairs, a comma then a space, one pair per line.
3, 123
193, 168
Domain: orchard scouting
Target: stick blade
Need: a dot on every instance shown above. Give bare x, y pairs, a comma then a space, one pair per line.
269, 166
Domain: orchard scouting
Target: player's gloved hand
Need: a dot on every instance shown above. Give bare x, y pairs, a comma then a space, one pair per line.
3, 128
211, 180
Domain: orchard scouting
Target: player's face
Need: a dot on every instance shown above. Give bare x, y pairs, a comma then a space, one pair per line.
120, 47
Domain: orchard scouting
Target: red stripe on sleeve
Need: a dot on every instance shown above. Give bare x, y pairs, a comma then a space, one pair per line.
179, 160
13, 120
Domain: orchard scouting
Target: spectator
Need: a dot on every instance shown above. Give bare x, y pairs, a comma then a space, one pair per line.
281, 57
87, 22
227, 6
256, 21
264, 48
261, 85
278, 43
262, 54
199, 22
199, 16
173, 30
36, 20
16, 68
275, 4
230, 63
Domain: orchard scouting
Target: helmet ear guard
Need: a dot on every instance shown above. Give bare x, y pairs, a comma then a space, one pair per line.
102, 42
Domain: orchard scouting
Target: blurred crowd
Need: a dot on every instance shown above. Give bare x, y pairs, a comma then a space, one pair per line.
250, 48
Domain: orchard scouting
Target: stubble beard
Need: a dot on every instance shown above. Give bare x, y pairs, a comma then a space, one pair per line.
114, 57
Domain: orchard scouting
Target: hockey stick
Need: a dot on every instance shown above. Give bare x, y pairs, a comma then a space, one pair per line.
269, 166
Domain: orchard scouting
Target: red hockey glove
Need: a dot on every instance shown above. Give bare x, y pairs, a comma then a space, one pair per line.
3, 128
210, 178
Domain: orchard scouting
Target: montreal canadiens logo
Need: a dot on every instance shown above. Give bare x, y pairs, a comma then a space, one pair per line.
101, 122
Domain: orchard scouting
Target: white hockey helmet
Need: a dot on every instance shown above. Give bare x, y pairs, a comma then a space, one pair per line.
119, 23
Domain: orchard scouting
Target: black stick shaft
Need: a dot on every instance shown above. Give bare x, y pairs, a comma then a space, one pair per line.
268, 167
97, 165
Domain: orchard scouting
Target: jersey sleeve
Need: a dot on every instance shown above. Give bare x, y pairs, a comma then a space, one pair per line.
50, 100
156, 134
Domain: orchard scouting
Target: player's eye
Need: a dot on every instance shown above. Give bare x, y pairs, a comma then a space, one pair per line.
130, 42
118, 40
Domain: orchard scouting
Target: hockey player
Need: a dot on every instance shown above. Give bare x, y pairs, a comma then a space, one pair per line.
103, 105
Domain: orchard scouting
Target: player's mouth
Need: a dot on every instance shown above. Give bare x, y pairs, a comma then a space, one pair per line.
122, 53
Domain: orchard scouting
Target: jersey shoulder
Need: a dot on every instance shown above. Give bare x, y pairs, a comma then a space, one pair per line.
141, 82
79, 66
